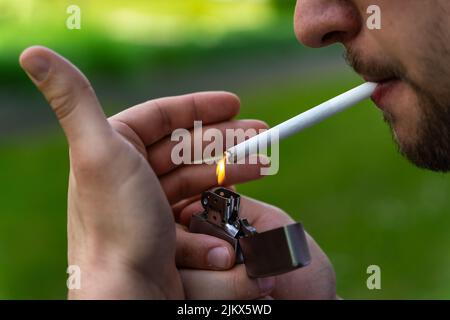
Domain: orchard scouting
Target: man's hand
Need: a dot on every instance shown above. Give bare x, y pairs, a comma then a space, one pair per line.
201, 280
121, 230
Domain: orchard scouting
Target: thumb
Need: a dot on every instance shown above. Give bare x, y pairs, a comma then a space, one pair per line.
68, 92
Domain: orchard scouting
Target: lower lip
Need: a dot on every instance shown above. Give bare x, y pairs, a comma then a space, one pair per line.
383, 91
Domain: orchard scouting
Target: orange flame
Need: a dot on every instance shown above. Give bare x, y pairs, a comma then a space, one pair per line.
220, 170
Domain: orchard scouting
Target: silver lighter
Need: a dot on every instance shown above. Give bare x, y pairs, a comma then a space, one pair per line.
264, 254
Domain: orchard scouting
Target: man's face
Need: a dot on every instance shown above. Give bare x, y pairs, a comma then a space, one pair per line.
410, 58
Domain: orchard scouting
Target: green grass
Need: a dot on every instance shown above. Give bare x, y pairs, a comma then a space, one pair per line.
33, 217
361, 201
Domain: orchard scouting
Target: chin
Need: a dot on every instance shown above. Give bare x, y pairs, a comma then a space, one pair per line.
405, 129
420, 127
421, 152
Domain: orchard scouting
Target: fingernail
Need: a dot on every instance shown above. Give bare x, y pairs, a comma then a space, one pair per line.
219, 257
264, 160
37, 67
266, 285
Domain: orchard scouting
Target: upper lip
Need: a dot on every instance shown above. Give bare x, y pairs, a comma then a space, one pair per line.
378, 79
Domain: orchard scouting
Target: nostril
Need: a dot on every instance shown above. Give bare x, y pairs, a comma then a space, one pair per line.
332, 37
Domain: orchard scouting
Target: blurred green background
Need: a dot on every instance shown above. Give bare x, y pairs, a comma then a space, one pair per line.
361, 201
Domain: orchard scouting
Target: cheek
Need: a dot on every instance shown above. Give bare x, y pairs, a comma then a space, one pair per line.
403, 35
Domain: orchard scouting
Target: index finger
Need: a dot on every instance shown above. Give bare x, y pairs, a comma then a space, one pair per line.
155, 119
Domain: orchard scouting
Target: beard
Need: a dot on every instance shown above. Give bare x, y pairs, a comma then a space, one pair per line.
429, 145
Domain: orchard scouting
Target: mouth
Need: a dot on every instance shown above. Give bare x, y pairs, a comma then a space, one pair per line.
384, 90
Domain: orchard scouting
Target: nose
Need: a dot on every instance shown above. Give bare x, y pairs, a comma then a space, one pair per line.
319, 23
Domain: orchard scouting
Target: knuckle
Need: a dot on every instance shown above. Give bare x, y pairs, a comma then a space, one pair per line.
65, 100
239, 286
61, 103
236, 286
166, 121
195, 108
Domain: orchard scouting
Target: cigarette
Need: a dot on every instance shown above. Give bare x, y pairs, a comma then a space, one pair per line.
301, 121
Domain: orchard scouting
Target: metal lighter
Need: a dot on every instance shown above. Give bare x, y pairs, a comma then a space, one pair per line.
264, 254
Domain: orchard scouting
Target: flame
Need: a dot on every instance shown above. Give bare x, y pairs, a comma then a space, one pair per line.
220, 170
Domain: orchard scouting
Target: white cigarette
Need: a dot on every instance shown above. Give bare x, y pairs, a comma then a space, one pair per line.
303, 120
